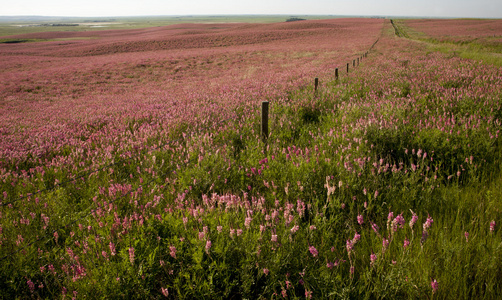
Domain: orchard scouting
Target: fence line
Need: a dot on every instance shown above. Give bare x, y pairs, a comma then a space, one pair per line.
122, 160
50, 235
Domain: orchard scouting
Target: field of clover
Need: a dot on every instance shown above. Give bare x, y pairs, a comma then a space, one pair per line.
132, 171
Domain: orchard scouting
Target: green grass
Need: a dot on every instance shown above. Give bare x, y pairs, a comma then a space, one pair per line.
488, 50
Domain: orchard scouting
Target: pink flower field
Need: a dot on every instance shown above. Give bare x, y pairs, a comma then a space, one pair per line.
86, 93
133, 166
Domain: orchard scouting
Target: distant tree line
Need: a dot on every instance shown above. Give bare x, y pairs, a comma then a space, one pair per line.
294, 19
58, 24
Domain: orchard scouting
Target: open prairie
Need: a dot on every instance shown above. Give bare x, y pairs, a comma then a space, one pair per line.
168, 75
132, 162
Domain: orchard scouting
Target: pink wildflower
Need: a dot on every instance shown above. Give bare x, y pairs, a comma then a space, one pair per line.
414, 219
434, 285
385, 243
288, 284
208, 246
400, 220
172, 252
492, 226
428, 223
247, 222
274, 238
356, 238
284, 293
31, 285
406, 243
112, 249
350, 246
375, 227
373, 258
360, 219
165, 292
313, 251
131, 255
19, 240
266, 271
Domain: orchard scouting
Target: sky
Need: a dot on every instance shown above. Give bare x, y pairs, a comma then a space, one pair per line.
108, 8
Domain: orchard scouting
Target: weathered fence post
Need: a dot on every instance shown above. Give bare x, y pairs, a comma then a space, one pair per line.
354, 63
336, 73
316, 83
347, 68
264, 120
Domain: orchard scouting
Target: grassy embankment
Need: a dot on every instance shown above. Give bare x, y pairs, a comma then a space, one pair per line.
486, 49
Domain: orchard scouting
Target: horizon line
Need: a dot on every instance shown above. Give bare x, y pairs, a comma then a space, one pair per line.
228, 15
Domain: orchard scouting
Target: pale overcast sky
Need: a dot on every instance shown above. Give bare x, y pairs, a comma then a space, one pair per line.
87, 8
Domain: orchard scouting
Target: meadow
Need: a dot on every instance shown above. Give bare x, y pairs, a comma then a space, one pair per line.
32, 24
132, 163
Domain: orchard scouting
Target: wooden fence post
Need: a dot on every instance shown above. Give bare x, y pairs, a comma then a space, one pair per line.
347, 68
336, 73
264, 120
316, 83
